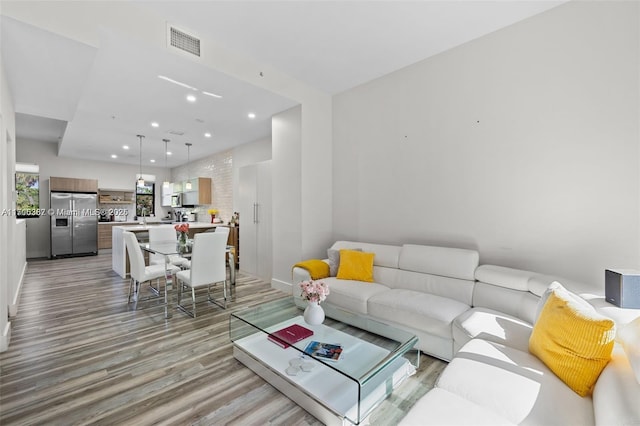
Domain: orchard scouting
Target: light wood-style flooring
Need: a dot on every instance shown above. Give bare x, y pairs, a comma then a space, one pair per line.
80, 355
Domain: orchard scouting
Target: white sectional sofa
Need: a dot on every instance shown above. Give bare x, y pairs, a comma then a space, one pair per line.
480, 318
418, 288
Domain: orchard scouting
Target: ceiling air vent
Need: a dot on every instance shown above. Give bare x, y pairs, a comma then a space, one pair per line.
176, 132
184, 41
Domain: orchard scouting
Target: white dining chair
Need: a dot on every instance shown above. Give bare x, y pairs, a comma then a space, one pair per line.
207, 268
139, 272
165, 233
222, 230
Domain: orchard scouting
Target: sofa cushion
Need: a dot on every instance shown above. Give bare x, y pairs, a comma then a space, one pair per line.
452, 288
616, 395
516, 279
352, 295
443, 261
424, 311
355, 265
333, 256
515, 385
440, 407
572, 339
517, 303
491, 325
386, 255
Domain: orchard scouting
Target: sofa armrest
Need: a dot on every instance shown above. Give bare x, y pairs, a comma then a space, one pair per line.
616, 394
299, 274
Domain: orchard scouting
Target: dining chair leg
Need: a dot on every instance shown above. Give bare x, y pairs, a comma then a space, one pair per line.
179, 288
224, 292
193, 299
223, 305
155, 289
180, 306
136, 290
130, 285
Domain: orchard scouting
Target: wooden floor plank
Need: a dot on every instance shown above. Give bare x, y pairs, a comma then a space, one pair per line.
79, 354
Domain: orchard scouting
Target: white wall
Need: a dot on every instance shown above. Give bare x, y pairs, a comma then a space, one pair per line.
109, 175
18, 268
286, 208
12, 257
523, 144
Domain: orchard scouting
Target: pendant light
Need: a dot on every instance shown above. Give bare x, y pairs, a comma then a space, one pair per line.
187, 185
166, 183
140, 178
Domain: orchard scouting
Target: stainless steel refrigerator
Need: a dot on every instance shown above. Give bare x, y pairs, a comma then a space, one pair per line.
74, 224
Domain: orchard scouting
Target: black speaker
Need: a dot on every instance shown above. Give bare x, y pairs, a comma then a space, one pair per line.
622, 287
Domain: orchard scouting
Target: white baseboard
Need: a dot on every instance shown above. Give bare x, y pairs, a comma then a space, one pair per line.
5, 337
13, 306
281, 285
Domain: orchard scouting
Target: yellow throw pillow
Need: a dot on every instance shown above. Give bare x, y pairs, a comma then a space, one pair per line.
572, 339
355, 265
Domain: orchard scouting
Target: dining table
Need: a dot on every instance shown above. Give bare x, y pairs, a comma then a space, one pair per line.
171, 248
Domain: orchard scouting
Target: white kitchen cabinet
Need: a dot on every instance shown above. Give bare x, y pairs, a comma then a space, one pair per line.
256, 220
166, 195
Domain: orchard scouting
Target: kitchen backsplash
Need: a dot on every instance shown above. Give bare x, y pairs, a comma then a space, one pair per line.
219, 167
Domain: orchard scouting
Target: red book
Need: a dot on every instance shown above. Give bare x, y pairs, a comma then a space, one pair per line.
290, 335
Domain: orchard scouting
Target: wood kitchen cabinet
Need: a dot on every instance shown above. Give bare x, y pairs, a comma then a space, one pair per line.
104, 235
72, 184
199, 194
115, 196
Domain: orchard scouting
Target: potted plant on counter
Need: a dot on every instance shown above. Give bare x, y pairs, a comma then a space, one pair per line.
213, 213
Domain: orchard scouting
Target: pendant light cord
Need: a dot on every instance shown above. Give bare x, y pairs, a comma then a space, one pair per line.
188, 184
140, 178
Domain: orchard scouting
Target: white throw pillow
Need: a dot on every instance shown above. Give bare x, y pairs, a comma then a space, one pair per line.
629, 338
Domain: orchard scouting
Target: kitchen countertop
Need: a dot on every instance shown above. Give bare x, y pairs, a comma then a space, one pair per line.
132, 222
118, 250
135, 226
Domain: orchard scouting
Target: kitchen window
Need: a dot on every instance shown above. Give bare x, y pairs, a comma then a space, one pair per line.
145, 199
27, 195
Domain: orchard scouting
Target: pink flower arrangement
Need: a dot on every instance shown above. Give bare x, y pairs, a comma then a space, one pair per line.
314, 291
182, 227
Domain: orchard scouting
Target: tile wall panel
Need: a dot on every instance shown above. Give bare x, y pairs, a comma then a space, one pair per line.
218, 167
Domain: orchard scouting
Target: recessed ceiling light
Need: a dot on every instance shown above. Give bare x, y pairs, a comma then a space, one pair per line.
125, 146
152, 160
169, 153
211, 94
207, 135
251, 115
154, 124
191, 98
114, 156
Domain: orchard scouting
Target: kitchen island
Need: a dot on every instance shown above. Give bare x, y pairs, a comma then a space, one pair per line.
104, 232
120, 260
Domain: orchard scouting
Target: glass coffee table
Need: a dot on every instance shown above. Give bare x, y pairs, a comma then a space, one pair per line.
336, 392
